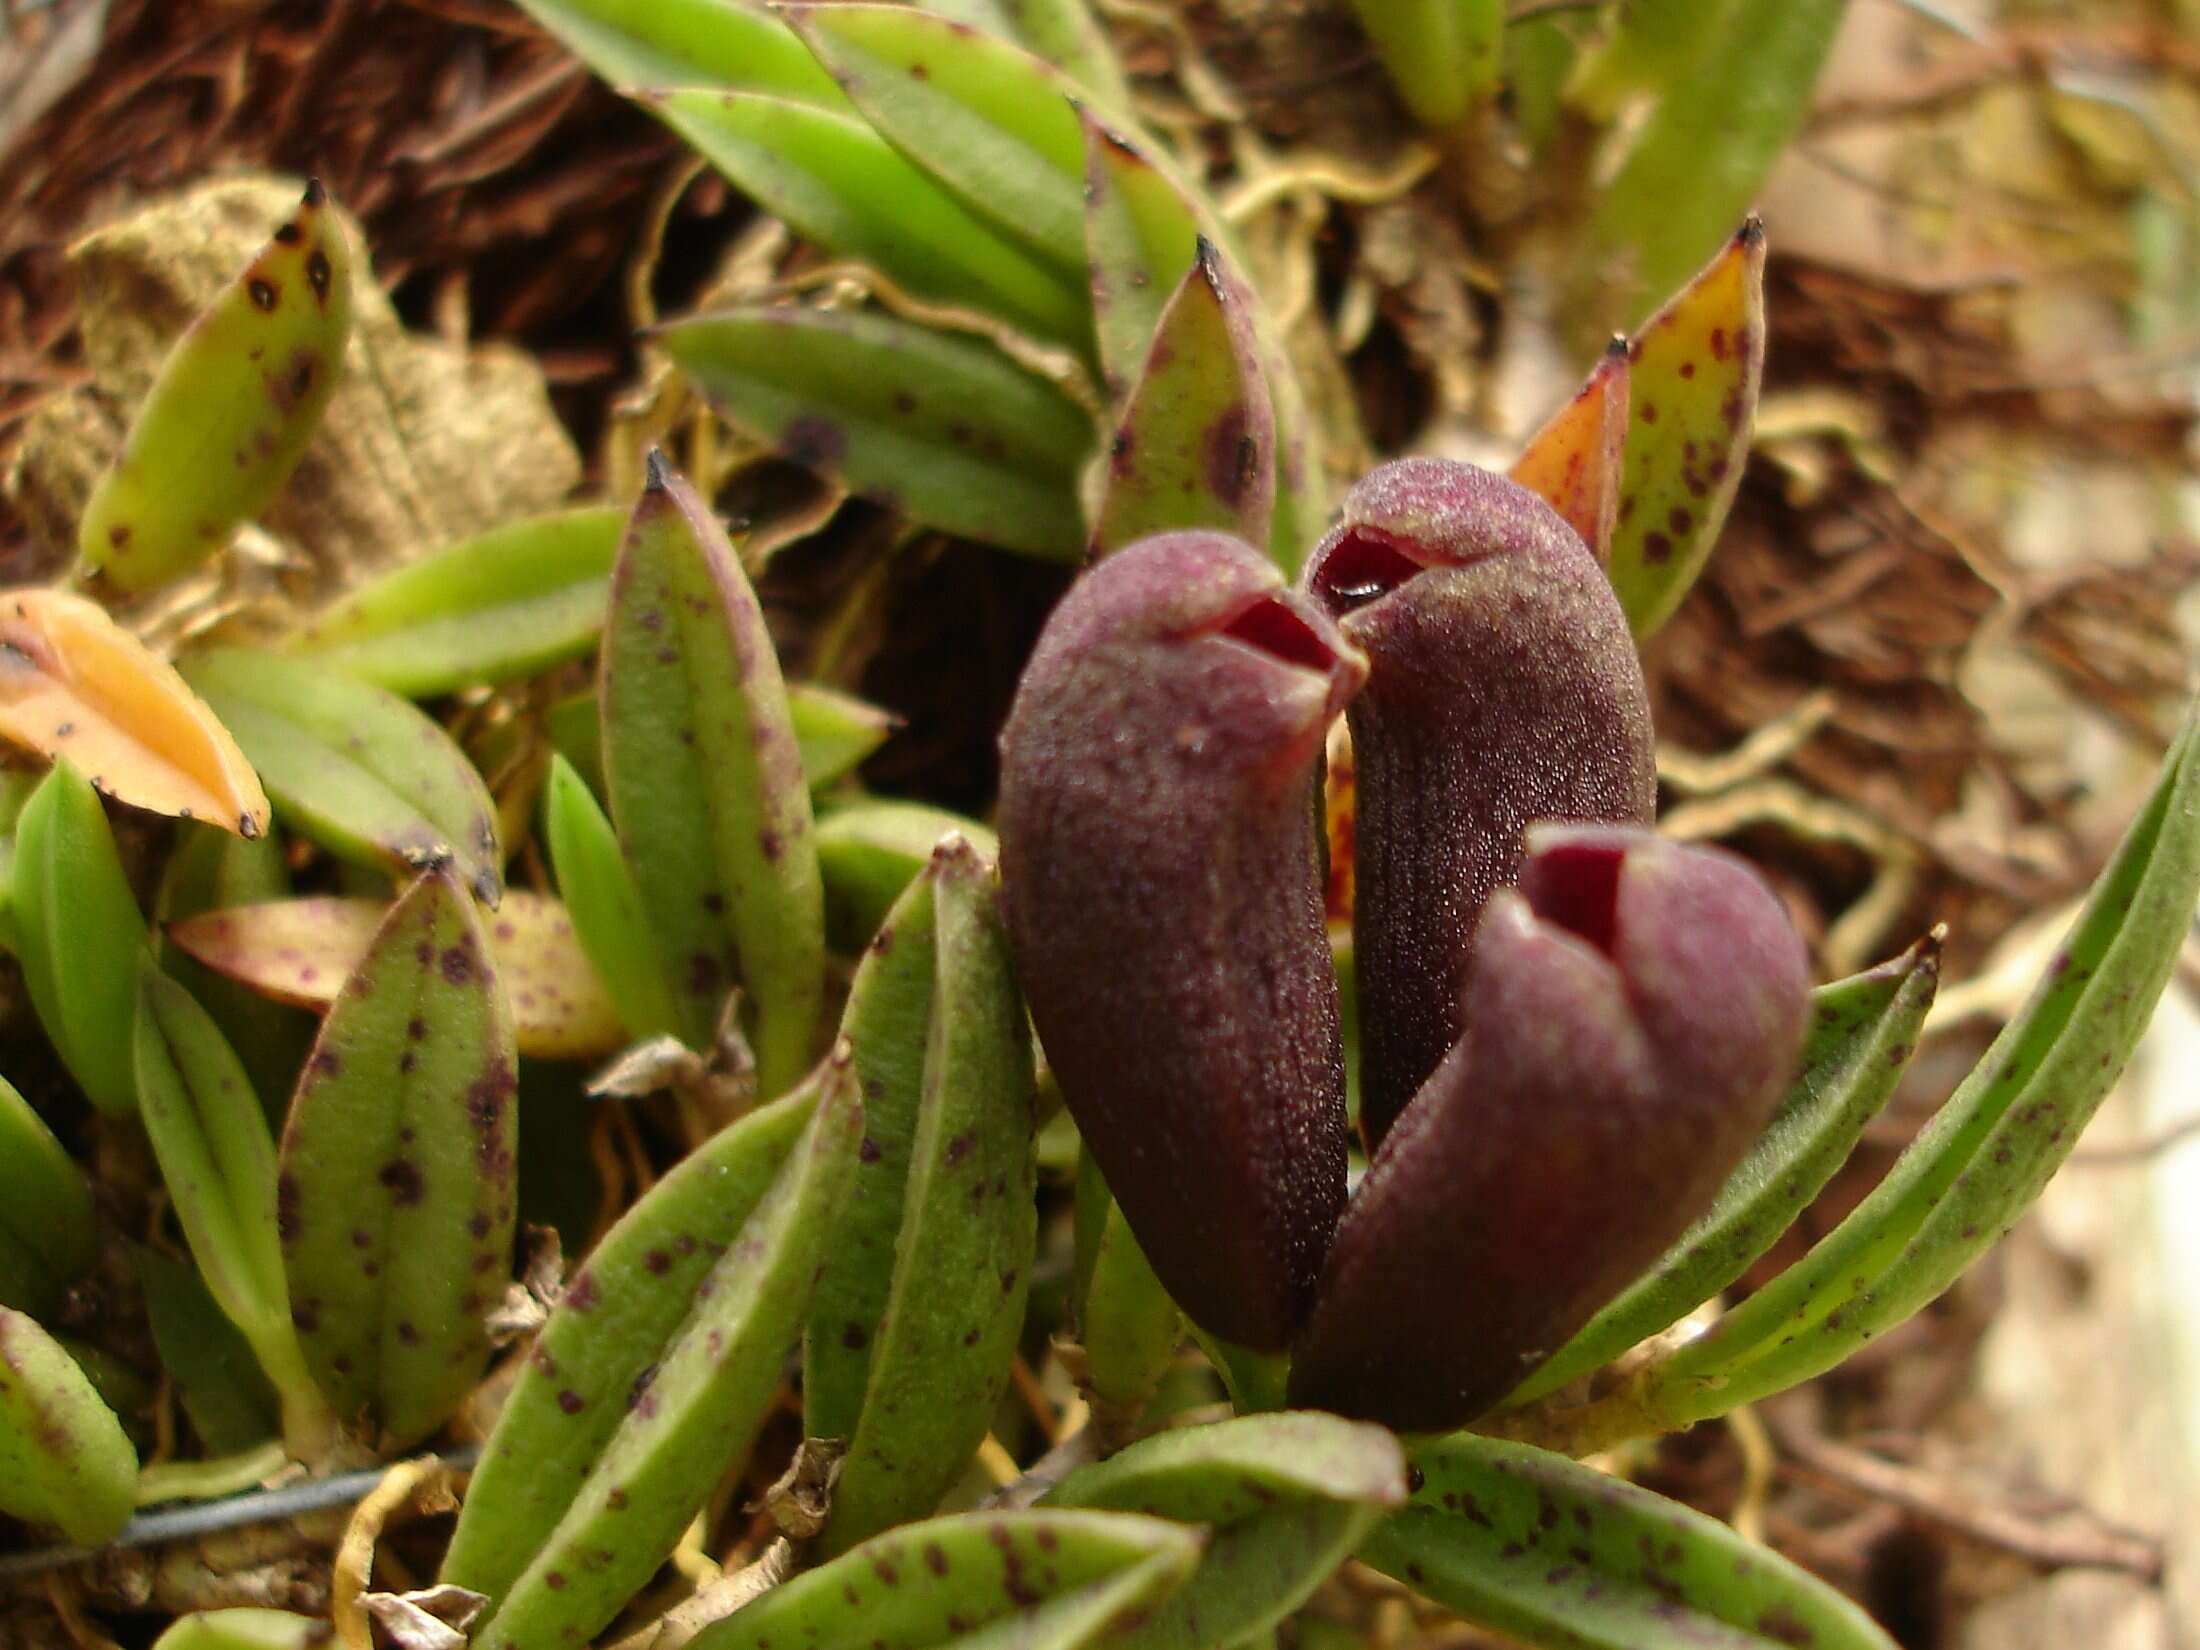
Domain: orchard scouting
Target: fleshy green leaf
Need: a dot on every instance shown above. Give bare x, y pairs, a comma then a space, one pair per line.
943, 428
1141, 233
63, 1457
1197, 443
687, 43
1983, 1158
1290, 1496
706, 785
396, 1189
1443, 56
1696, 368
1649, 45
507, 603
1862, 1033
869, 851
79, 935
49, 1236
1557, 1554
1707, 147
987, 119
604, 904
616, 1321
687, 1416
1576, 461
836, 182
218, 1163
301, 951
922, 1299
79, 685
230, 412
1031, 1579
353, 767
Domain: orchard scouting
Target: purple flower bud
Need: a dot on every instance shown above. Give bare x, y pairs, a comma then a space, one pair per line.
1160, 879
1634, 1011
1503, 688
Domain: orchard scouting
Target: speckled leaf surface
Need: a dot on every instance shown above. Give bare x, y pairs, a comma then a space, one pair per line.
78, 935
869, 851
395, 1197
507, 603
1695, 368
922, 1298
63, 1457
1576, 461
1557, 1554
302, 951
1862, 1033
834, 731
619, 1313
686, 1417
75, 683
706, 783
945, 429
230, 412
1039, 1579
353, 767
1289, 1496
1141, 234
836, 182
1197, 443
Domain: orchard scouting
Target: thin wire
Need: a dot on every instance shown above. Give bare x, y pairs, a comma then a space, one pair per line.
233, 1512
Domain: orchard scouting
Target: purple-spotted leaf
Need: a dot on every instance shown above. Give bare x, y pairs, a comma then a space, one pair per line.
75, 683
706, 783
396, 1192
1550, 1552
218, 1163
1197, 443
353, 767
1576, 461
945, 429
869, 851
1030, 1579
613, 1324
687, 43
1143, 224
1141, 232
683, 1419
921, 1301
301, 951
231, 411
1695, 370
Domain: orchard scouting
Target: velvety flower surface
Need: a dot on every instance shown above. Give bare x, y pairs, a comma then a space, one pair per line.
1160, 879
1634, 1010
1503, 689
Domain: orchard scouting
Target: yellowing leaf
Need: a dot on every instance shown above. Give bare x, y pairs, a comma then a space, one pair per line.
302, 950
74, 683
1574, 462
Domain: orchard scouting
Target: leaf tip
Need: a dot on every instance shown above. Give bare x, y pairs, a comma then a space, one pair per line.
1752, 232
656, 472
315, 195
